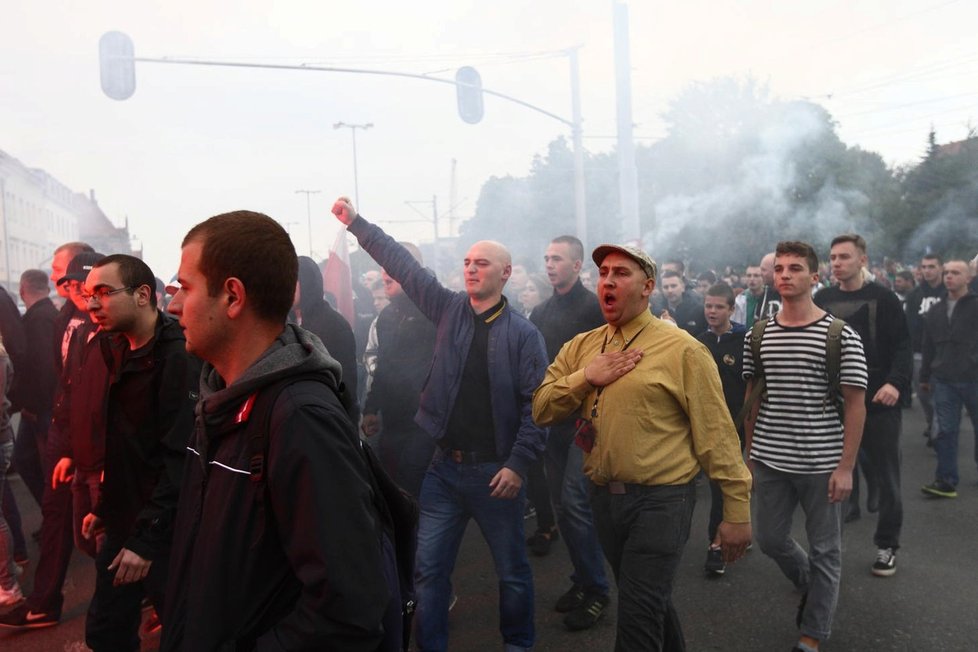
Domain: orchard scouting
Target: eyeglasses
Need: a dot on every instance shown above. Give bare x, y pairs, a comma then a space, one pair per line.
104, 291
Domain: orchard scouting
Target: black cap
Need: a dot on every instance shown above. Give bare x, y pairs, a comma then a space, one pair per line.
80, 266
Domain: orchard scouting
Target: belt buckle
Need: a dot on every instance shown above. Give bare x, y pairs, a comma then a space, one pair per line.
617, 488
457, 456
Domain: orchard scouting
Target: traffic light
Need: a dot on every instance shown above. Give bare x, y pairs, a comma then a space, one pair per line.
117, 67
468, 87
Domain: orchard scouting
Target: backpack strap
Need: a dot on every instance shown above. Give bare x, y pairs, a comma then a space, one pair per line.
760, 381
833, 364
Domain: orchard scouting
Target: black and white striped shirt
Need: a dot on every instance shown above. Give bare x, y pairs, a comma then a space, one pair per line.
797, 430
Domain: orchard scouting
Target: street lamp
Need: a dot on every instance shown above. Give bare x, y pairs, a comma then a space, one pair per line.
353, 131
309, 214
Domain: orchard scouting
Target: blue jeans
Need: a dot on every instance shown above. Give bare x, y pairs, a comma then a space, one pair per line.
643, 532
450, 495
571, 491
949, 398
817, 571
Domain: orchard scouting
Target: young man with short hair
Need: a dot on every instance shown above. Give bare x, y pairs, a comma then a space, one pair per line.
801, 450
277, 542
683, 309
949, 369
149, 419
874, 312
571, 310
920, 300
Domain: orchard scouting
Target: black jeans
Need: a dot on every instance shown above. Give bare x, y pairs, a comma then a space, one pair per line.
57, 542
115, 612
881, 446
643, 532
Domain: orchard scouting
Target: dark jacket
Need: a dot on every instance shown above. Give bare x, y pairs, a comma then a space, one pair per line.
688, 315
919, 302
563, 316
15, 342
405, 346
290, 563
728, 353
149, 420
78, 420
950, 348
39, 374
319, 318
517, 356
876, 314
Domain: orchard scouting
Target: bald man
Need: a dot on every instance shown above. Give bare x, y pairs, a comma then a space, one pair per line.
476, 405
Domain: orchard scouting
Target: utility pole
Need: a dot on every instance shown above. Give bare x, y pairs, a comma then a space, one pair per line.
580, 205
353, 131
627, 173
309, 214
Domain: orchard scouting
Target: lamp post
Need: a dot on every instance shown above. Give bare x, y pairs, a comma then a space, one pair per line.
353, 131
308, 214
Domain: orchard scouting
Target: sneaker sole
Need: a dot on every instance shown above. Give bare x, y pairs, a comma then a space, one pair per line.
938, 493
884, 572
34, 625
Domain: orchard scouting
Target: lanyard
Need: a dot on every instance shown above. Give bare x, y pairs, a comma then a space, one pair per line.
604, 345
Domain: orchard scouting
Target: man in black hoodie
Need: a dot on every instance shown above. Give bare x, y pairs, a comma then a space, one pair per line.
314, 314
277, 546
149, 417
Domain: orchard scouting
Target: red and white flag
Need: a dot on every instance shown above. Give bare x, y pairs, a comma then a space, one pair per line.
337, 278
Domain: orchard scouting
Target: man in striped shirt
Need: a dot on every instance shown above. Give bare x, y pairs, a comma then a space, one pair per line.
801, 450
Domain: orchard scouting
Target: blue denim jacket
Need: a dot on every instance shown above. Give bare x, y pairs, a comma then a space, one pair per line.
517, 356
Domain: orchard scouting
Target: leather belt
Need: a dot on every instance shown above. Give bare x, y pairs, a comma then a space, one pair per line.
468, 457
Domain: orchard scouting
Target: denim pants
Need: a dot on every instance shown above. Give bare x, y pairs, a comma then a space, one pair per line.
881, 447
949, 398
643, 532
571, 492
818, 571
8, 579
924, 396
451, 494
29, 452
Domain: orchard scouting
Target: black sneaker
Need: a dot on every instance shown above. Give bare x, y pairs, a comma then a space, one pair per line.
541, 540
714, 566
587, 614
940, 489
23, 618
571, 600
885, 564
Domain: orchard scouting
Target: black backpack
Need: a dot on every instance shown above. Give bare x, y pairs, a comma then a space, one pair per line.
398, 509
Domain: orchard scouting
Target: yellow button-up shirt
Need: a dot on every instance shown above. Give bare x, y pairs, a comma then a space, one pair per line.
659, 423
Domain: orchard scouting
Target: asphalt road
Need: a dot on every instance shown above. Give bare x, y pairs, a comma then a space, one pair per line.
931, 604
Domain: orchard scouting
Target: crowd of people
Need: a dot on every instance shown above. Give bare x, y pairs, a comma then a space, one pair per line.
211, 443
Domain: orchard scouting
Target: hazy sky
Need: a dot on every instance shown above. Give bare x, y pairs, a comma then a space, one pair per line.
195, 141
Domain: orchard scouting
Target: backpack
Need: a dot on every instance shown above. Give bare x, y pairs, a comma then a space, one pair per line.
398, 510
833, 368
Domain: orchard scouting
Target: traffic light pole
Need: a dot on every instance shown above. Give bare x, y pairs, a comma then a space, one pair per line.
116, 51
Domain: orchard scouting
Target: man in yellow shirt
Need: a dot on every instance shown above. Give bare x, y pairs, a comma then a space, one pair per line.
653, 414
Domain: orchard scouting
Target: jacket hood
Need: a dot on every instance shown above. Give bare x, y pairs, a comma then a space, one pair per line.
294, 351
310, 285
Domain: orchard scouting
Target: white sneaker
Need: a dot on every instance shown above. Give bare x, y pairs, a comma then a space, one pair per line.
10, 597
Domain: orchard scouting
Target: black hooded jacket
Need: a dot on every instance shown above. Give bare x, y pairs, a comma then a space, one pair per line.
292, 562
319, 318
